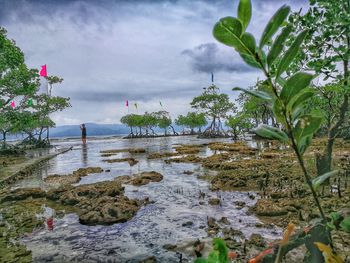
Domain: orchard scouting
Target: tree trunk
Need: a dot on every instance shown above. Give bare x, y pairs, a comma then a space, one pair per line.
174, 132
4, 139
324, 160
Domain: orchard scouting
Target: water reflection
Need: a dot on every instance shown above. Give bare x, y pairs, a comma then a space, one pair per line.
175, 201
84, 155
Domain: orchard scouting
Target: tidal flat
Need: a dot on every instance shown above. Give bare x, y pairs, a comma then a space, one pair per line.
163, 200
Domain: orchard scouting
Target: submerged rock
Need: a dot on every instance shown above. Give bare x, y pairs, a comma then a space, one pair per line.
161, 155
151, 259
187, 150
145, 178
101, 203
214, 201
131, 161
22, 194
130, 150
73, 178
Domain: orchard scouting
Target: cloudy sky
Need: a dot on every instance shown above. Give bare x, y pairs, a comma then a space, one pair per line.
110, 51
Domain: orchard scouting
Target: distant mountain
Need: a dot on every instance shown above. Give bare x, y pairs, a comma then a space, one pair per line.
93, 129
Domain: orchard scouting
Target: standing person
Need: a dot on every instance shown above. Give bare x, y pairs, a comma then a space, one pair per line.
83, 133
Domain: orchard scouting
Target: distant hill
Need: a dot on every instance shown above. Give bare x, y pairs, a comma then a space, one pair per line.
93, 129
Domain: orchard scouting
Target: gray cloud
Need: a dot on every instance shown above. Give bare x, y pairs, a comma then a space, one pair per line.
209, 58
109, 51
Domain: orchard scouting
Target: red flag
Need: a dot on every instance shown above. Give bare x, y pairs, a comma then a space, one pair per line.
43, 71
49, 223
127, 103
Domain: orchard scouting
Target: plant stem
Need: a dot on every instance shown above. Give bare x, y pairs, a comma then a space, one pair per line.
308, 178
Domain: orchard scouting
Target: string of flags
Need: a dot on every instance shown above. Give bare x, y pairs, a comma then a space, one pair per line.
136, 105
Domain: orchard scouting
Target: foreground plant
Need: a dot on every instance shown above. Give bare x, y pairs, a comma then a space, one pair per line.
289, 95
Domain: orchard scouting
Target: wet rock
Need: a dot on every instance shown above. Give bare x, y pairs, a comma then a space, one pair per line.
62, 179
88, 170
240, 204
211, 222
145, 178
224, 182
257, 240
101, 203
130, 150
185, 159
169, 247
188, 172
131, 161
214, 201
151, 259
269, 208
137, 150
224, 220
187, 224
73, 178
23, 193
230, 233
161, 155
187, 150
278, 195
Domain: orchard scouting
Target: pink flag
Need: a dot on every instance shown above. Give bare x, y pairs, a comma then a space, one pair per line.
127, 103
13, 104
43, 71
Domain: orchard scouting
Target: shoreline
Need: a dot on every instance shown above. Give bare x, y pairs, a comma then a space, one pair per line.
19, 171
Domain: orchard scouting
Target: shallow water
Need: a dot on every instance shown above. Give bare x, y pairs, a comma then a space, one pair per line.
176, 201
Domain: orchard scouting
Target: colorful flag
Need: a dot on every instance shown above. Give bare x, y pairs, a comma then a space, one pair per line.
161, 104
135, 105
43, 71
127, 103
13, 105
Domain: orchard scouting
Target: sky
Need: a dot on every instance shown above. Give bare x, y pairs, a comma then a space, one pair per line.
146, 52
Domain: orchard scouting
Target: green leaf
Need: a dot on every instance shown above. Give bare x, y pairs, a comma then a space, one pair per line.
299, 99
250, 60
319, 180
291, 53
249, 41
278, 45
294, 85
279, 111
228, 31
245, 12
256, 93
271, 133
307, 125
274, 24
345, 224
304, 143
